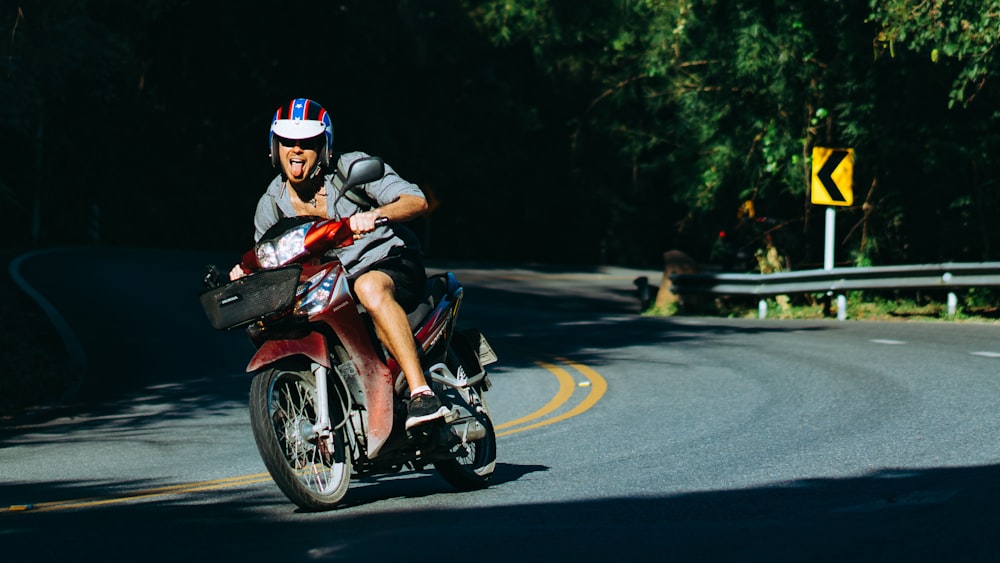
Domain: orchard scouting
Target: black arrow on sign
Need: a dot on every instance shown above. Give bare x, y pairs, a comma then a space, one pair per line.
826, 175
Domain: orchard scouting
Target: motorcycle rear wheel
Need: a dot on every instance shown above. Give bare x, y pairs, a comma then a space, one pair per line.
282, 411
473, 467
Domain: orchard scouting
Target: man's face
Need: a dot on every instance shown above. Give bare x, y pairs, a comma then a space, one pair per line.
299, 156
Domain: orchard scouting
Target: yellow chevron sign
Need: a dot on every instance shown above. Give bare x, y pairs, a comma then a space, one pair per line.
832, 176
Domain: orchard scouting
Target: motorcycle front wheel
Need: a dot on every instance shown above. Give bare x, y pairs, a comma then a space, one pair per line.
312, 471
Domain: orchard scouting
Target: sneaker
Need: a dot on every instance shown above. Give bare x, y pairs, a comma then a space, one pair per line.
424, 408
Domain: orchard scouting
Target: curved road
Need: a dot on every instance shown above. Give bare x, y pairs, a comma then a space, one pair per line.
620, 436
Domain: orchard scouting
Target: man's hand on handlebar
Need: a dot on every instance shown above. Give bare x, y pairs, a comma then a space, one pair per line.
236, 273
364, 222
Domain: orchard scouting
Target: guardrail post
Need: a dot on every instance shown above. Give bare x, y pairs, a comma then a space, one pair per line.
841, 307
762, 309
642, 292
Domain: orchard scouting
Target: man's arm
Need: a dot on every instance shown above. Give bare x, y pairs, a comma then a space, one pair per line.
405, 208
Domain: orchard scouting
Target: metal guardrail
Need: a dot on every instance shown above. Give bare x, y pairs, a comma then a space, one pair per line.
947, 276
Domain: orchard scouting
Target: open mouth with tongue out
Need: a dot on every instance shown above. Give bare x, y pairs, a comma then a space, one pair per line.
296, 167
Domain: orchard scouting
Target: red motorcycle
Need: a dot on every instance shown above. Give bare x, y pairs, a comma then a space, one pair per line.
327, 402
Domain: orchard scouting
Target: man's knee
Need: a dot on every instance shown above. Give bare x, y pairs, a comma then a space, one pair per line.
373, 288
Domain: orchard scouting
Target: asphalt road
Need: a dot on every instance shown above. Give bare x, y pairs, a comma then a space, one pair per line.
621, 436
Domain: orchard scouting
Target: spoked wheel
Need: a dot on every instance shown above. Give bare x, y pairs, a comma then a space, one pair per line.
313, 472
476, 459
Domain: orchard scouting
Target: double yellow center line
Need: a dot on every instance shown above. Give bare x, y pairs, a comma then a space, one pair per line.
143, 494
567, 385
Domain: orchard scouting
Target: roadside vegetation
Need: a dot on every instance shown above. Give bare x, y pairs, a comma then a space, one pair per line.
974, 305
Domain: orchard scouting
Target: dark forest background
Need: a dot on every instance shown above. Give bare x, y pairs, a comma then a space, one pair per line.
580, 132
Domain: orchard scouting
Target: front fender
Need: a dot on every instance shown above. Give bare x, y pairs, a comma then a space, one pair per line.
312, 346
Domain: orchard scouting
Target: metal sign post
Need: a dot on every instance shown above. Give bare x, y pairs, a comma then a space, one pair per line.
831, 229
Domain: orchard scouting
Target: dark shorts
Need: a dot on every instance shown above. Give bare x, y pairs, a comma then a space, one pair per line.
407, 272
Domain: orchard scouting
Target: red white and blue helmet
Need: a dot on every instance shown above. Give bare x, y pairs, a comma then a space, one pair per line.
301, 118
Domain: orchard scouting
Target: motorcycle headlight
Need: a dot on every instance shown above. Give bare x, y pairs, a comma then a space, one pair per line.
280, 251
320, 291
315, 293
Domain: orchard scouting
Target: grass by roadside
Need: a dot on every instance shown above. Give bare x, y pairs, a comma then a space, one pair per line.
34, 366
861, 306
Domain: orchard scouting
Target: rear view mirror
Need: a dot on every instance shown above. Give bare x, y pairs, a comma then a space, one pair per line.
364, 170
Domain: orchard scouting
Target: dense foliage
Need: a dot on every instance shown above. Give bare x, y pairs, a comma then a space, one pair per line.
554, 130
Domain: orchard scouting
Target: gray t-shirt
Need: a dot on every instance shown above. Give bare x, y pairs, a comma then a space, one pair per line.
276, 203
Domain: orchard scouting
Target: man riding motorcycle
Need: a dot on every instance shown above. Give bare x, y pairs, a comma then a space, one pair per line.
384, 264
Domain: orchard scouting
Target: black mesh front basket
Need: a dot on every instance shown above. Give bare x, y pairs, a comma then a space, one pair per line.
251, 297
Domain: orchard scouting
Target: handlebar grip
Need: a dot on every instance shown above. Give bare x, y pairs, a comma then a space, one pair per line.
381, 221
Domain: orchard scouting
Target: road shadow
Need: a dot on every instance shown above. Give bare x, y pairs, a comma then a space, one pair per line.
424, 483
945, 514
593, 329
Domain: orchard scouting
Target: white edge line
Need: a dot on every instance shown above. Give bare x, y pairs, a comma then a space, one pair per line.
986, 354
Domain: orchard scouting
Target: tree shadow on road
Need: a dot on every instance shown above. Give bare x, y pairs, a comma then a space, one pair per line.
595, 329
891, 515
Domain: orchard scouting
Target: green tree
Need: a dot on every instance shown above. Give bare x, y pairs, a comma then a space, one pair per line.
708, 104
966, 31
579, 129
956, 40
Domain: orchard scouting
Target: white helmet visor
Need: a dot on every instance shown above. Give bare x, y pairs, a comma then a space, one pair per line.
297, 128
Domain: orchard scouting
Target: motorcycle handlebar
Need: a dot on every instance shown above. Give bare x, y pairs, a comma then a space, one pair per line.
249, 260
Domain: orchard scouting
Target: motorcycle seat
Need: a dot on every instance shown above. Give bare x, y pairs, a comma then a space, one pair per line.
433, 292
